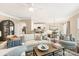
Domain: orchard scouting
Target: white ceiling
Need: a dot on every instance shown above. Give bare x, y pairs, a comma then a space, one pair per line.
49, 12
15, 9
43, 12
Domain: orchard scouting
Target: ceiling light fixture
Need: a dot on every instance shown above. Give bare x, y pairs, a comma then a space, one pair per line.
31, 9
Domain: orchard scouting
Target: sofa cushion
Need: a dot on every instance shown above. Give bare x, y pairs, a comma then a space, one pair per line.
28, 37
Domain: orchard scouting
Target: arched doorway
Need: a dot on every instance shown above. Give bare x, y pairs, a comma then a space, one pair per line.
6, 28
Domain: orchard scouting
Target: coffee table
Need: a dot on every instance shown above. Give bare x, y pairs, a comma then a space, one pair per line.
52, 50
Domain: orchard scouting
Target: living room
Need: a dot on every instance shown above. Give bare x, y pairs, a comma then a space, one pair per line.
39, 29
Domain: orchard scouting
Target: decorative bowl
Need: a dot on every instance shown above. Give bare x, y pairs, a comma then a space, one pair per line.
43, 47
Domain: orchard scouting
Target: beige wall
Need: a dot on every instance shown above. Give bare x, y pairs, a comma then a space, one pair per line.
28, 23
73, 25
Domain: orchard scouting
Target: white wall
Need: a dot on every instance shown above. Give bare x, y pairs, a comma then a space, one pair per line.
18, 27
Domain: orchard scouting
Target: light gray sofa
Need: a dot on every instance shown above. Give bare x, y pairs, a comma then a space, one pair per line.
6, 52
18, 50
15, 51
68, 44
27, 37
